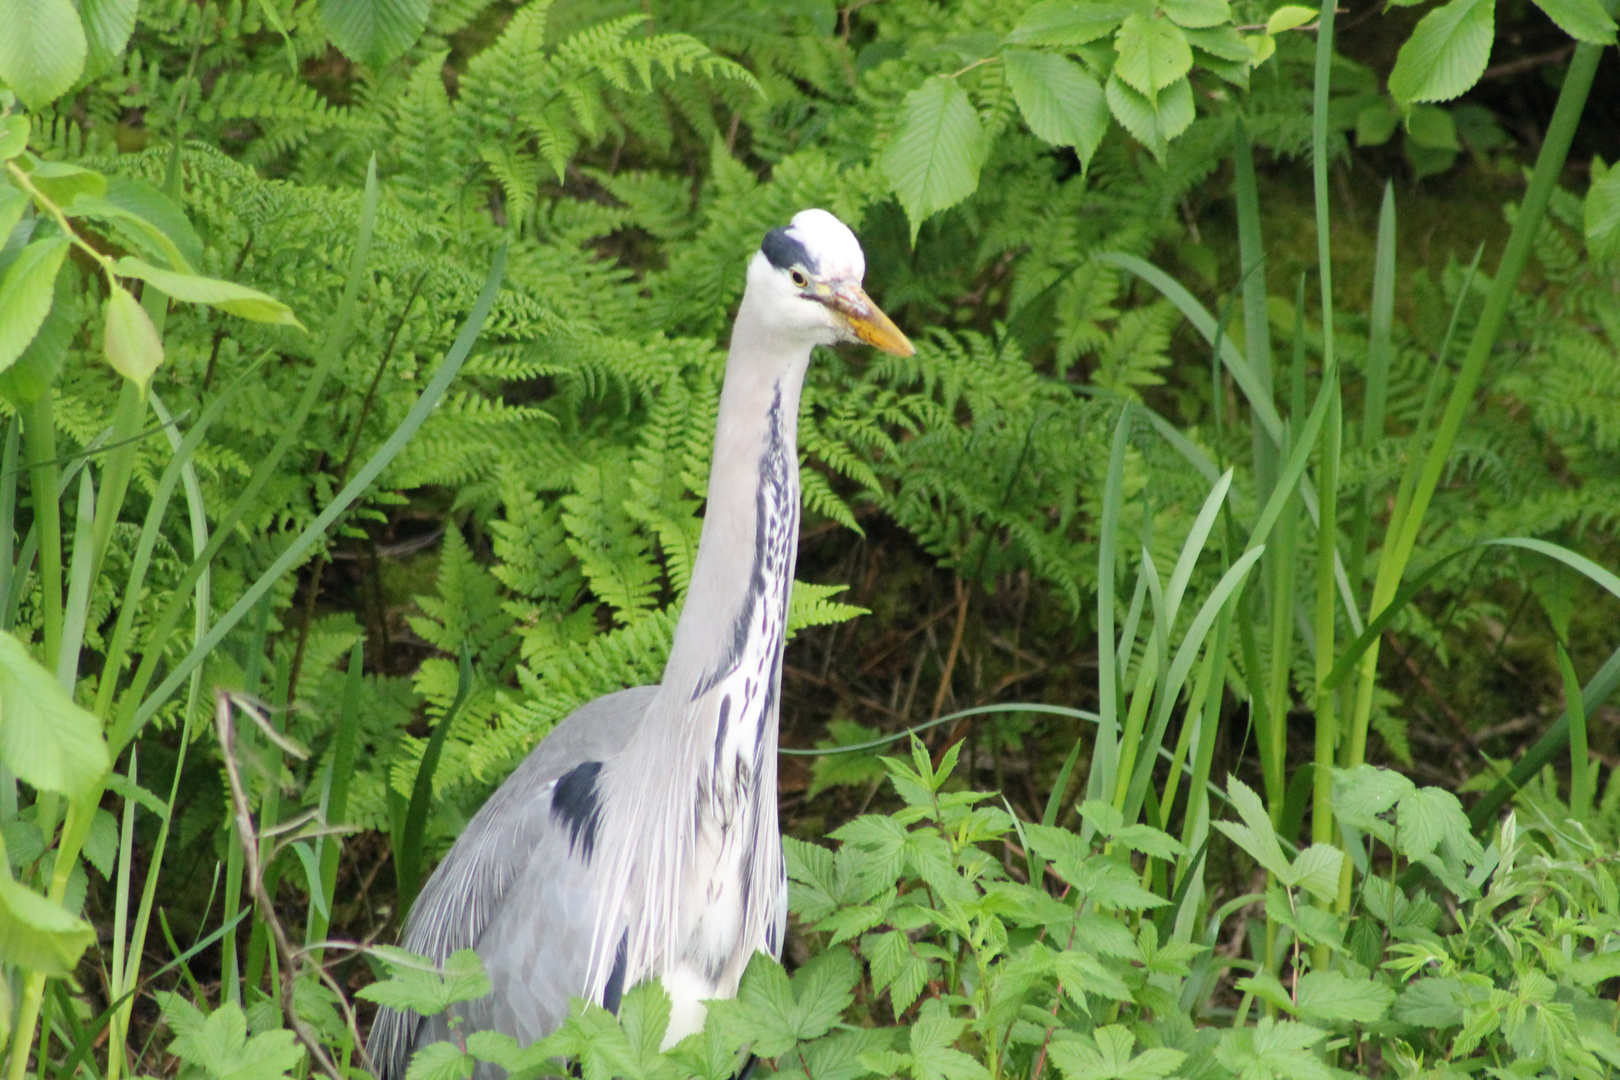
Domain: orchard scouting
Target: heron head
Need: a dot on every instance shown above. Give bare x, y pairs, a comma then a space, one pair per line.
810, 273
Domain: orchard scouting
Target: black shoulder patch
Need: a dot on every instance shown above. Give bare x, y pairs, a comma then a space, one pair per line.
615, 984
785, 252
575, 805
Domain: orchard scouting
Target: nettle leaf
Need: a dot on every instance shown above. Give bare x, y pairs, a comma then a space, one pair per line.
776, 1013
1427, 816
374, 31
45, 738
1446, 53
1274, 1048
42, 50
1063, 24
1256, 835
25, 295
1332, 996
1316, 870
933, 161
418, 984
1583, 20
1153, 54
933, 1055
1602, 212
1061, 103
1106, 1055
440, 1061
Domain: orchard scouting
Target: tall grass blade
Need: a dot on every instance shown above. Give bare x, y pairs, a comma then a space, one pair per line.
1580, 762
407, 844
1105, 750
432, 394
335, 791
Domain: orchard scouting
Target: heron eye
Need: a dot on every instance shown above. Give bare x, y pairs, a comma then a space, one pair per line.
799, 280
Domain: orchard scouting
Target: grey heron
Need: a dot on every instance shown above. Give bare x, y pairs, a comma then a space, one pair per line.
639, 839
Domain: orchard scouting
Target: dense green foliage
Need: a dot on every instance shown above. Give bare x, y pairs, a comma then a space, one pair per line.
1128, 503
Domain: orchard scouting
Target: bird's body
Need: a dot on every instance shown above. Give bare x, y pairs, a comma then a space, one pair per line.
640, 838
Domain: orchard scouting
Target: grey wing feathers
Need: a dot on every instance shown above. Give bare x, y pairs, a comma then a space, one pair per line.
513, 836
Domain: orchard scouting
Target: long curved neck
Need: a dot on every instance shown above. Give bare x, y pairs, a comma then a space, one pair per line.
749, 542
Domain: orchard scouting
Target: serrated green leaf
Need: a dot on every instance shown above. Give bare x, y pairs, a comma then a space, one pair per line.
374, 32
1446, 53
416, 983
933, 1056
1316, 870
1153, 121
1429, 815
25, 295
933, 161
107, 27
1197, 14
13, 141
440, 1061
1602, 212
132, 344
42, 50
1256, 835
1375, 124
1583, 20
1060, 102
45, 738
37, 935
1221, 41
1591, 970
1065, 24
1288, 17
1332, 996
1106, 1055
228, 296
1432, 128
1153, 54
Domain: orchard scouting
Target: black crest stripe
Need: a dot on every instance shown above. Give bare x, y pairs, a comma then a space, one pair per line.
575, 805
785, 252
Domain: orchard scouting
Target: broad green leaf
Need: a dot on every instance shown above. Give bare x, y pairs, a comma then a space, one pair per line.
12, 205
1065, 24
1375, 124
1429, 815
1153, 121
1060, 102
148, 218
1288, 17
1602, 212
1316, 870
107, 26
226, 295
1446, 53
933, 161
440, 1061
1153, 54
25, 295
1436, 1003
63, 182
1432, 128
1197, 14
13, 141
416, 983
1583, 20
45, 738
374, 32
134, 348
36, 934
1332, 996
1273, 1048
1591, 970
1256, 835
42, 49
933, 1056
1222, 41
1106, 1055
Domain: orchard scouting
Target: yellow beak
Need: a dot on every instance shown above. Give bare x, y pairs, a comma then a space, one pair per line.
867, 321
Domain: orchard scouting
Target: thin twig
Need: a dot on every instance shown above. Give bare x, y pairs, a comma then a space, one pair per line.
223, 701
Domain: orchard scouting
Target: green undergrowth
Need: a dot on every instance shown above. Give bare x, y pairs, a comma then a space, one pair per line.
358, 371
